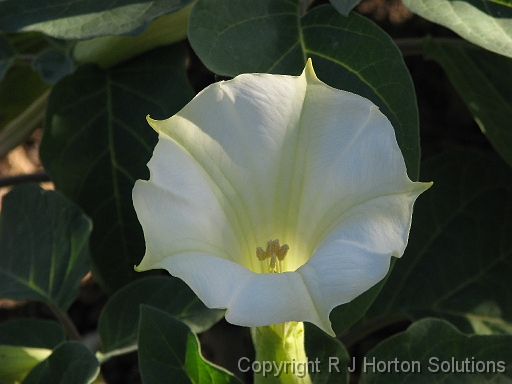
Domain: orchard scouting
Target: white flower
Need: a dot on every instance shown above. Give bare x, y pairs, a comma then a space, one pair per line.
268, 157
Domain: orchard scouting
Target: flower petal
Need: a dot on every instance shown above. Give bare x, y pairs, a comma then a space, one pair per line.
262, 157
179, 210
242, 133
251, 299
356, 254
349, 155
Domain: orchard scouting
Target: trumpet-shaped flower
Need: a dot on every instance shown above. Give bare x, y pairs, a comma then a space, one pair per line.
276, 197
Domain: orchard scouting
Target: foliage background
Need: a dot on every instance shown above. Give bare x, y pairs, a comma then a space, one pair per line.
456, 102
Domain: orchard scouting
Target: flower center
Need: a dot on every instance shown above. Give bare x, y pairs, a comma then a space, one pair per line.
275, 254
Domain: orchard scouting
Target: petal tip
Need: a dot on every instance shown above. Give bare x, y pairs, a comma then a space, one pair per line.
141, 267
153, 123
423, 186
329, 331
309, 72
325, 325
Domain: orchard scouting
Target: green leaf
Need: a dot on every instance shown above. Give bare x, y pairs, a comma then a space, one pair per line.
119, 321
346, 315
84, 18
97, 142
433, 351
7, 55
43, 246
22, 96
344, 6
457, 264
32, 333
508, 3
31, 43
349, 53
52, 65
327, 357
70, 362
167, 348
18, 129
484, 81
107, 51
16, 362
482, 22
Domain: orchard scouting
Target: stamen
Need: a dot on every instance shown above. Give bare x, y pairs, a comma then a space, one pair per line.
261, 254
281, 253
275, 253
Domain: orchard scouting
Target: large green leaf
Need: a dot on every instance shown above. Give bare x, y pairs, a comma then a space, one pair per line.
484, 81
7, 55
43, 246
107, 51
15, 131
22, 94
119, 321
327, 357
168, 349
346, 315
482, 22
70, 362
433, 351
457, 264
97, 142
16, 362
349, 53
24, 343
83, 19
32, 333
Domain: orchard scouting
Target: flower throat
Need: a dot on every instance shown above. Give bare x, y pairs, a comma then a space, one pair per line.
275, 254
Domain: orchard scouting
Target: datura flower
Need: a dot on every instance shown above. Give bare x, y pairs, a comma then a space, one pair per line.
276, 197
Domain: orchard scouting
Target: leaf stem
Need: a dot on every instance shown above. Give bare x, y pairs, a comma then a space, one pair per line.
104, 357
18, 129
65, 321
353, 336
414, 46
37, 177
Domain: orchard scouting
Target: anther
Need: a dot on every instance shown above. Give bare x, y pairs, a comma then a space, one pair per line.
274, 252
261, 254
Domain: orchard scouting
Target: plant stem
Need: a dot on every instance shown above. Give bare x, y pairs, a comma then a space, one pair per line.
65, 321
37, 177
351, 337
282, 344
104, 357
414, 46
18, 129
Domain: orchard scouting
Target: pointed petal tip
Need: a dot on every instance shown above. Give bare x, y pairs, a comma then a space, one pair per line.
324, 323
153, 123
309, 72
328, 330
423, 186
145, 265
137, 268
